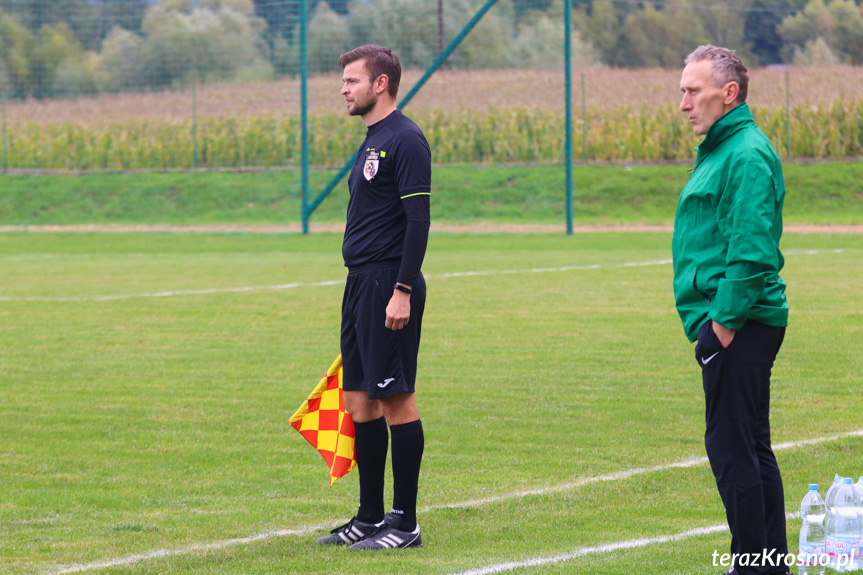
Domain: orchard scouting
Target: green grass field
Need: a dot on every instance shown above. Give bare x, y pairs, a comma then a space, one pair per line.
144, 403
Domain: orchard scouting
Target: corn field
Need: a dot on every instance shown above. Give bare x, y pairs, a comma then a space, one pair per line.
478, 117
531, 135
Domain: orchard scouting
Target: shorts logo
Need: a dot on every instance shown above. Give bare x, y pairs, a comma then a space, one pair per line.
370, 166
386, 382
706, 360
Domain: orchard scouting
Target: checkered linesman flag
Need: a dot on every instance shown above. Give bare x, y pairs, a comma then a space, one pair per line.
325, 423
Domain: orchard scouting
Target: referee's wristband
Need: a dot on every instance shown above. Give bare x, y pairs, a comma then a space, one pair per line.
400, 287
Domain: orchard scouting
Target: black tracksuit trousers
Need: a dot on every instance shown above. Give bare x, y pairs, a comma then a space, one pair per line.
737, 438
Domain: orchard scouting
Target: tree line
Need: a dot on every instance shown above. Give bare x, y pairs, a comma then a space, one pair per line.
62, 48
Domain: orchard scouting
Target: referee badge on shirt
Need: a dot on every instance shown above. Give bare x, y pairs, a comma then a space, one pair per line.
370, 166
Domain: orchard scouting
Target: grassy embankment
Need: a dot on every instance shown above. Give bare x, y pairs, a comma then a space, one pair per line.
816, 193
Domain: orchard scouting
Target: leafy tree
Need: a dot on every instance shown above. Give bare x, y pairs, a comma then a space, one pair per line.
90, 20
215, 40
540, 41
663, 38
407, 26
16, 45
849, 30
725, 27
489, 44
838, 22
283, 16
284, 57
75, 77
602, 28
120, 65
328, 36
816, 53
128, 14
761, 29
55, 43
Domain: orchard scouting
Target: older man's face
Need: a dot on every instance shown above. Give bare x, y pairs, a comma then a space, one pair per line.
704, 99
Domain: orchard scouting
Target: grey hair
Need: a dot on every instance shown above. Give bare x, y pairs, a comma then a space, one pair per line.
727, 67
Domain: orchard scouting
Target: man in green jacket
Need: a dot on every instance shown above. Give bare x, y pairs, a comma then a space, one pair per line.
731, 299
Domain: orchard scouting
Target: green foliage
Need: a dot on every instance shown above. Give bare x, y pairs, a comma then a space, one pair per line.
602, 28
815, 53
74, 47
329, 36
725, 27
16, 46
55, 44
119, 66
215, 40
838, 23
180, 42
663, 38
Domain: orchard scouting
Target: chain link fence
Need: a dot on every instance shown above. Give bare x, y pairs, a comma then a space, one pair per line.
210, 85
215, 85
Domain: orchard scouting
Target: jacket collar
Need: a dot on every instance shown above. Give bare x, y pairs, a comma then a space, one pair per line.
733, 121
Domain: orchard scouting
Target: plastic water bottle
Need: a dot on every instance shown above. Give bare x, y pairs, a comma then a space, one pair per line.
811, 553
830, 524
847, 526
858, 552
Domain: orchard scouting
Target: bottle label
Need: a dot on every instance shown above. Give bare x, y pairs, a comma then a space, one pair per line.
844, 550
811, 554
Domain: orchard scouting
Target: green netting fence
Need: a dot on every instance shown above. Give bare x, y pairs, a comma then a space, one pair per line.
120, 85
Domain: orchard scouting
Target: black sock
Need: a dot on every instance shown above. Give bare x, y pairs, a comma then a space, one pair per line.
408, 443
371, 440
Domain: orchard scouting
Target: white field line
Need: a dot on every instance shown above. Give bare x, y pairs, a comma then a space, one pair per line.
342, 281
598, 549
302, 531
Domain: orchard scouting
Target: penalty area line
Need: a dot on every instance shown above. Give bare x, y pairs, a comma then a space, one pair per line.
302, 531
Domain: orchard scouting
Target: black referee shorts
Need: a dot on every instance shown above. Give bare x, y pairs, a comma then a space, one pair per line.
376, 359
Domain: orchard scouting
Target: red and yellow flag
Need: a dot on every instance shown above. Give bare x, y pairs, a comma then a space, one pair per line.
325, 423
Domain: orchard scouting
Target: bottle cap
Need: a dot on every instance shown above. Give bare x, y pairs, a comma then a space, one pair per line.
813, 487
847, 481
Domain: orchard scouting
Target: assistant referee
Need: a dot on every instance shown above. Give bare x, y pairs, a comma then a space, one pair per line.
386, 235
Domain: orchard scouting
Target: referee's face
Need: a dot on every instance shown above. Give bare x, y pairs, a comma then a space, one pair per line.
360, 98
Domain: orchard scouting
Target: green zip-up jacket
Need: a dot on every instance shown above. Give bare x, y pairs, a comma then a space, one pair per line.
727, 229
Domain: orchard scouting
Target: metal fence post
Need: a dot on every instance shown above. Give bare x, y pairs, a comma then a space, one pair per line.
304, 113
787, 116
195, 125
567, 17
5, 137
308, 209
583, 122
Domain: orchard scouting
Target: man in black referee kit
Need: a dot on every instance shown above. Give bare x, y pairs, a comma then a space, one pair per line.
385, 242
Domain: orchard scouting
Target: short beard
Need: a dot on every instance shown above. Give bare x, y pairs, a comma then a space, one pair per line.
365, 109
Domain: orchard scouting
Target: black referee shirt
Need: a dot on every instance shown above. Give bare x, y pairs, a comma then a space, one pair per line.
389, 209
